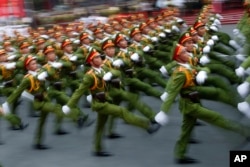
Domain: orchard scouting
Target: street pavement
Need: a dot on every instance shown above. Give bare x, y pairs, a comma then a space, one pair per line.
136, 149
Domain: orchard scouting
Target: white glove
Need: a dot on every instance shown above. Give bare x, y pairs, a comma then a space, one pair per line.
163, 70
75, 33
240, 71
107, 76
236, 31
234, 44
214, 28
89, 98
146, 49
204, 59
42, 76
217, 22
73, 58
6, 108
206, 49
76, 41
243, 89
161, 118
184, 25
167, 31
210, 42
65, 109
118, 63
135, 57
11, 65
219, 16
31, 47
240, 57
12, 57
164, 96
244, 107
56, 64
175, 28
154, 39
162, 35
215, 38
201, 77
45, 36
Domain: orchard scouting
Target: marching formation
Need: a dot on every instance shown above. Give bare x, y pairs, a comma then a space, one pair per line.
105, 64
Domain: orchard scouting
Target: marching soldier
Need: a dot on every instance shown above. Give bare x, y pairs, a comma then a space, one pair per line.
183, 82
95, 81
36, 92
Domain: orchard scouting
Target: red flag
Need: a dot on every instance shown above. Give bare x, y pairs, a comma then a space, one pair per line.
3, 7
12, 8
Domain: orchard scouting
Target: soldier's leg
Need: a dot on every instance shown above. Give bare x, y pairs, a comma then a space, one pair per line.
138, 85
39, 134
224, 71
217, 94
99, 131
13, 119
218, 120
187, 127
121, 112
134, 101
228, 61
153, 76
118, 97
61, 98
218, 82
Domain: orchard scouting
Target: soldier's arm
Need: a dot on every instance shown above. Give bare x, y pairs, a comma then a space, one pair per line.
17, 93
84, 86
173, 88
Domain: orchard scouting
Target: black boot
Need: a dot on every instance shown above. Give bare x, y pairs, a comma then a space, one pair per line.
40, 147
22, 126
84, 121
153, 127
61, 132
102, 154
186, 160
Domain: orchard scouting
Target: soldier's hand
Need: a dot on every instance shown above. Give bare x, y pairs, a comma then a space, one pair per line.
240, 71
107, 76
65, 109
42, 76
161, 118
118, 63
163, 71
11, 65
146, 49
135, 57
164, 96
73, 58
210, 42
201, 77
5, 108
244, 107
12, 57
243, 89
215, 38
56, 64
204, 59
206, 49
89, 98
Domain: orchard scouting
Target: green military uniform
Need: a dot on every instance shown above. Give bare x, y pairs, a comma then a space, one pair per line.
118, 92
71, 66
140, 65
41, 102
102, 103
182, 82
